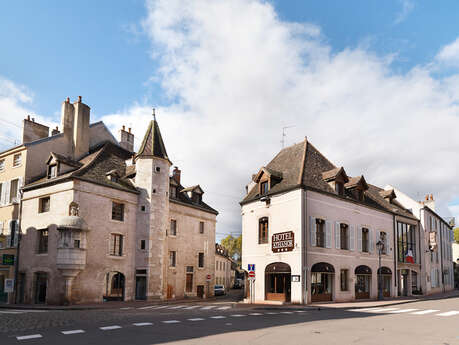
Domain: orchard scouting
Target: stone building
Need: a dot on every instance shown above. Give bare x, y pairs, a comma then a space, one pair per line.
104, 223
225, 267
24, 163
315, 234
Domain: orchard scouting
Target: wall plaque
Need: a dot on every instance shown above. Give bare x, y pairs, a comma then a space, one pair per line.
283, 242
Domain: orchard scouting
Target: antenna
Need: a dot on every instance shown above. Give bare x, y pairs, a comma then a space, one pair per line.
154, 114
284, 135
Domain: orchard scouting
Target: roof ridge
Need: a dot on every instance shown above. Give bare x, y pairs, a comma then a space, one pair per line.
303, 162
315, 148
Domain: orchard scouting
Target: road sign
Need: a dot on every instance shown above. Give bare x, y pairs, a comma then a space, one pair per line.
208, 277
9, 285
251, 267
252, 274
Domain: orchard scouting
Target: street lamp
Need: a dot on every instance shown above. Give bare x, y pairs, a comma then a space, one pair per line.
380, 246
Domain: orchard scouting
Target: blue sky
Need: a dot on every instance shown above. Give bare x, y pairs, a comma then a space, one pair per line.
215, 69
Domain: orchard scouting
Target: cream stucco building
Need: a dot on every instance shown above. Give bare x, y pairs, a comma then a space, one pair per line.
314, 233
104, 223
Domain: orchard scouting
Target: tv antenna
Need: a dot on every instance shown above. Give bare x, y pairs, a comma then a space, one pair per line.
284, 135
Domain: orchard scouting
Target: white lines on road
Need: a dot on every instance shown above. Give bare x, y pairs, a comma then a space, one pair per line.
171, 321
423, 312
140, 324
449, 313
382, 310
224, 308
237, 315
21, 311
148, 307
32, 336
208, 307
192, 307
177, 307
255, 314
218, 317
75, 331
125, 308
300, 311
109, 328
401, 311
272, 313
286, 312
196, 319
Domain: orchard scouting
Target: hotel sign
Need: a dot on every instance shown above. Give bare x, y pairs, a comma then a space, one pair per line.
283, 242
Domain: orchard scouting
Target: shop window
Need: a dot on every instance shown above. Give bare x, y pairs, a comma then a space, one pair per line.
263, 230
320, 233
116, 245
117, 211
344, 280
44, 204
201, 260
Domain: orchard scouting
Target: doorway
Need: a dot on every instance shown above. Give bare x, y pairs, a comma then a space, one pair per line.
278, 282
385, 274
362, 282
200, 291
3, 294
322, 282
140, 288
114, 286
41, 284
403, 286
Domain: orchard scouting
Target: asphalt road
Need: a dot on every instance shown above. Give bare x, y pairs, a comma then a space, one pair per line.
426, 322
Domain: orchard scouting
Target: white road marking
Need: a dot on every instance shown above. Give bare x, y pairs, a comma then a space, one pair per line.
255, 314
192, 307
21, 311
286, 312
148, 307
449, 313
32, 336
208, 307
224, 308
381, 310
300, 311
218, 317
11, 312
196, 319
423, 312
140, 324
75, 331
401, 311
177, 307
109, 328
237, 315
272, 313
126, 308
171, 321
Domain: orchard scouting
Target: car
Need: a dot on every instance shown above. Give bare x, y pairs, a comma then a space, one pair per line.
238, 284
219, 290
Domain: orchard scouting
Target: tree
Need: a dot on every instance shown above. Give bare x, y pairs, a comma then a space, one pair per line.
234, 246
456, 235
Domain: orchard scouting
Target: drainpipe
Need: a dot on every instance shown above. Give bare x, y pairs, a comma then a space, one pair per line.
441, 261
395, 254
19, 234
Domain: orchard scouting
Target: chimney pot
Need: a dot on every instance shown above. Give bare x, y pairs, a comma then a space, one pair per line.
79, 99
124, 127
431, 197
129, 129
33, 119
28, 117
57, 128
67, 100
427, 197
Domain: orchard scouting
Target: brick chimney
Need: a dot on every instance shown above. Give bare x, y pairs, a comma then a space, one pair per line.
55, 131
430, 202
126, 139
32, 130
176, 174
75, 126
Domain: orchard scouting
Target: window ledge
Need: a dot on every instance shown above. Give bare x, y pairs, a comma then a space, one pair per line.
117, 221
172, 267
41, 254
116, 257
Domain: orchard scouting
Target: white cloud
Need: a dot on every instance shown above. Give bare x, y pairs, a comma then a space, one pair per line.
449, 54
237, 74
407, 7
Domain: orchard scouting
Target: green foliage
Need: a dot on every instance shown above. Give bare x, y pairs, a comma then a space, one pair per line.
234, 246
456, 235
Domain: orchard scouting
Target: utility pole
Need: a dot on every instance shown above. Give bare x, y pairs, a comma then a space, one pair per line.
284, 135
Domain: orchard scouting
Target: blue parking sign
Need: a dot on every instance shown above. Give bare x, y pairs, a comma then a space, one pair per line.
251, 267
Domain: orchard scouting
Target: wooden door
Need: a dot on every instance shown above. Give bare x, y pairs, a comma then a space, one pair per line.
200, 291
170, 291
189, 282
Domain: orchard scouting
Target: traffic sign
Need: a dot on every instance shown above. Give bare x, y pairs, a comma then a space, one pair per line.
252, 274
251, 267
208, 277
251, 279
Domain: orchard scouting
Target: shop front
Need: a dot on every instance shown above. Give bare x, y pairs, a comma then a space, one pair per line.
278, 282
322, 282
385, 279
362, 282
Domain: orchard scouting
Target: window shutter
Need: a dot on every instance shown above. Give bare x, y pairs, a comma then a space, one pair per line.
1, 228
328, 234
2, 195
337, 235
351, 237
6, 187
312, 230
16, 233
110, 244
386, 243
19, 188
370, 241
359, 239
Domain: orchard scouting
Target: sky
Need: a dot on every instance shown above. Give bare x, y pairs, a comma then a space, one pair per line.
374, 85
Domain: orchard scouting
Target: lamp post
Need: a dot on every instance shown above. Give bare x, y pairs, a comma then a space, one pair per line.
380, 246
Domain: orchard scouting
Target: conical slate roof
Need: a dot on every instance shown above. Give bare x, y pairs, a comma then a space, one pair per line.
152, 143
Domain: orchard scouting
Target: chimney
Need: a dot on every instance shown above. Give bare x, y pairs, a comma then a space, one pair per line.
32, 130
80, 129
176, 174
430, 202
55, 131
67, 116
126, 139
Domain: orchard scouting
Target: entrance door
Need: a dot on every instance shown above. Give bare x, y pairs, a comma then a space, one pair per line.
278, 282
200, 291
403, 282
322, 282
41, 282
189, 282
140, 288
3, 294
362, 286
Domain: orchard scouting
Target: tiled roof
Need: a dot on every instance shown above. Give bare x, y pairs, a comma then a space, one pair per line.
152, 143
303, 166
184, 199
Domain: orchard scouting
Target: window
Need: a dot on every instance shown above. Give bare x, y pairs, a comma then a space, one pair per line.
1, 188
43, 241
264, 188
406, 242
343, 280
201, 227
17, 158
344, 236
263, 230
52, 171
142, 244
189, 279
201, 260
158, 169
116, 245
142, 208
12, 239
44, 204
320, 233
173, 231
2, 164
383, 239
14, 190
339, 188
197, 198
117, 211
365, 240
76, 244
172, 258
173, 191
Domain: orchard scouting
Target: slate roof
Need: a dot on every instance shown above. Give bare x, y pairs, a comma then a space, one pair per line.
152, 143
94, 167
303, 166
184, 199
66, 160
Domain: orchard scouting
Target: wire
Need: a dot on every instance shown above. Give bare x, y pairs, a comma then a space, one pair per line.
10, 123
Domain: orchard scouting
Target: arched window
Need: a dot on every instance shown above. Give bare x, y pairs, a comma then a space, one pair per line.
263, 230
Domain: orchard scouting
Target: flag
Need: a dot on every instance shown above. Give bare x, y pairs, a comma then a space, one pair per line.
409, 256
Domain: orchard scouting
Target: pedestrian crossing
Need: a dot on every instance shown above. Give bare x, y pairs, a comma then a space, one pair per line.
406, 311
204, 307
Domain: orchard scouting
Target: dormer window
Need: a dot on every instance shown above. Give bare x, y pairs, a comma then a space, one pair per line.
357, 187
197, 198
339, 188
264, 188
52, 171
173, 191
336, 178
113, 176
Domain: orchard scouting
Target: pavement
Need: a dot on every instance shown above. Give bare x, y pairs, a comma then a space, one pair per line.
221, 321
